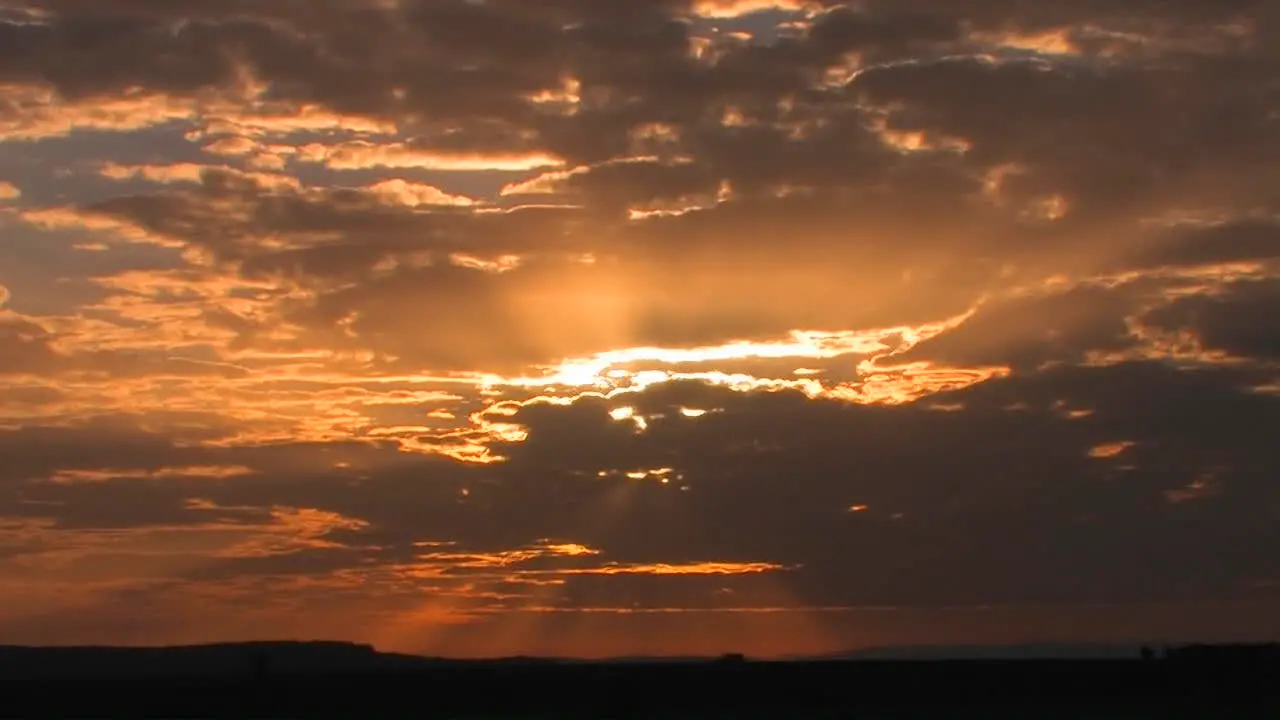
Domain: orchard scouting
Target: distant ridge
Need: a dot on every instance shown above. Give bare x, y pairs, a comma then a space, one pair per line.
251, 659
232, 659
21, 662
1022, 651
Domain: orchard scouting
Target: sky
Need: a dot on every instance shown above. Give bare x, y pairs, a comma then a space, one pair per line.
605, 327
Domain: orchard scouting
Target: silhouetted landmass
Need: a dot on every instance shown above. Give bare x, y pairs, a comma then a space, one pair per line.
1026, 651
338, 680
221, 660
1258, 653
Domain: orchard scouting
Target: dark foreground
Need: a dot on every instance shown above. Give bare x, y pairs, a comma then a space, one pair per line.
1218, 688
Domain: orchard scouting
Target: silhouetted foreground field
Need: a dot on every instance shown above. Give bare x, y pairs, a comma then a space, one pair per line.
396, 686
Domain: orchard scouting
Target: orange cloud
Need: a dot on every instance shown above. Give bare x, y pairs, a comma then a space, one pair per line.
202, 472
735, 8
194, 173
1057, 41
234, 146
404, 192
182, 172
69, 218
694, 568
256, 118
1110, 450
361, 154
544, 184
35, 112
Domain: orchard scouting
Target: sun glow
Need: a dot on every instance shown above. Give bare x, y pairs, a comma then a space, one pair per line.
870, 376
633, 368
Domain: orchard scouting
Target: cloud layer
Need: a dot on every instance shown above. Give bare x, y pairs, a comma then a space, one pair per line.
588, 328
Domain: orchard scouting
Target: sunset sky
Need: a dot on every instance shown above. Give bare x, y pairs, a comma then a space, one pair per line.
598, 327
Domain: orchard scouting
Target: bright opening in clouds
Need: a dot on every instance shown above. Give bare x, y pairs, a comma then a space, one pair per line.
678, 326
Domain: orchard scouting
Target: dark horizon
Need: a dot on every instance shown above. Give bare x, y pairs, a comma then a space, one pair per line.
333, 680
1042, 650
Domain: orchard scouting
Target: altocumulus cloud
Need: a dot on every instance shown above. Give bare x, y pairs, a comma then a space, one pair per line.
677, 326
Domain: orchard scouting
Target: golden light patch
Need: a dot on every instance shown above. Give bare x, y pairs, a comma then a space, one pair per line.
1110, 450
1057, 41
722, 9
203, 472
363, 154
914, 141
629, 413
662, 475
66, 218
181, 172
697, 568
261, 118
565, 99
440, 559
613, 375
413, 194
498, 265
46, 114
545, 184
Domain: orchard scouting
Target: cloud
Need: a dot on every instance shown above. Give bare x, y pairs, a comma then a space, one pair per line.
411, 193
1236, 321
1080, 513
426, 314
34, 112
9, 191
358, 155
736, 8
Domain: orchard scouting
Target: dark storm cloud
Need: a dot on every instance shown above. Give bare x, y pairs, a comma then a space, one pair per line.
1086, 527
1105, 140
37, 453
1121, 141
1028, 332
1240, 241
1240, 321
1103, 27
1159, 125
772, 479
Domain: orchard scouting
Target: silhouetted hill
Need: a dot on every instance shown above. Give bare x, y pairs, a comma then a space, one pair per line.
1025, 651
1252, 654
240, 659
197, 660
338, 680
